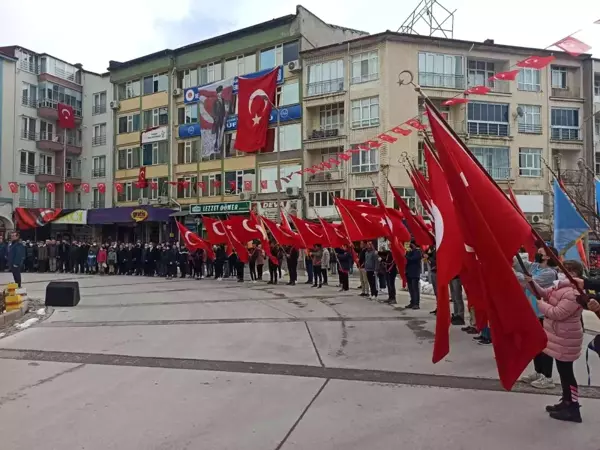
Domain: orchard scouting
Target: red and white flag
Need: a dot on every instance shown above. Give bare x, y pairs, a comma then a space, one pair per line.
102, 188
193, 242
215, 231
573, 46
536, 62
14, 187
247, 185
119, 187
511, 75
66, 116
455, 101
33, 188
69, 187
50, 187
478, 90
85, 187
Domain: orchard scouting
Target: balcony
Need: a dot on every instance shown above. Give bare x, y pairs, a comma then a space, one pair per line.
571, 92
488, 129
28, 203
319, 138
48, 174
27, 135
327, 87
48, 109
499, 173
98, 109
28, 100
572, 177
442, 81
74, 176
55, 142
530, 128
565, 134
98, 140
99, 173
333, 176
457, 125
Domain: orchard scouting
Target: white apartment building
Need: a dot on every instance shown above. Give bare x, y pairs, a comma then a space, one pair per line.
36, 154
352, 94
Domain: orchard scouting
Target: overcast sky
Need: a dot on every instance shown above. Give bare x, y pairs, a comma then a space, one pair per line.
94, 33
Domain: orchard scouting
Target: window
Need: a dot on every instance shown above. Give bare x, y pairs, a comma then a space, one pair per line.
210, 73
99, 134
99, 105
73, 169
28, 128
291, 137
408, 195
98, 199
596, 85
365, 161
479, 73
487, 119
331, 117
46, 164
530, 119
26, 197
530, 162
529, 80
155, 153
45, 198
130, 193
210, 188
565, 124
496, 160
156, 117
187, 152
155, 83
188, 114
325, 78
162, 188
365, 195
291, 51
271, 57
99, 166
365, 67
129, 123
237, 178
27, 165
129, 89
47, 131
288, 94
187, 78
29, 95
240, 65
323, 199
50, 94
439, 70
269, 174
365, 112
559, 77
128, 158
230, 151
191, 190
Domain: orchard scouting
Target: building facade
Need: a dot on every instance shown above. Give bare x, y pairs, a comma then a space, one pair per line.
161, 124
7, 138
41, 153
352, 95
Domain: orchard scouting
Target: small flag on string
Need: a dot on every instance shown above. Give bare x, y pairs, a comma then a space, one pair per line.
401, 131
573, 46
455, 101
387, 138
478, 90
505, 76
536, 62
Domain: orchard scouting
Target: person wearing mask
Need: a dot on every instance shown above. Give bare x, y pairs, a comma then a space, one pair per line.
142, 268
260, 262
371, 268
29, 257
16, 257
273, 265
43, 256
344, 260
309, 267
292, 256
317, 259
280, 255
544, 274
564, 328
74, 257
102, 257
154, 259
3, 253
63, 255
413, 275
184, 255
136, 258
382, 271
92, 262
82, 259
325, 262
364, 282
112, 259
52, 253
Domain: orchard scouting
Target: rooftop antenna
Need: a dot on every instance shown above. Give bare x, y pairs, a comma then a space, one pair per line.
429, 18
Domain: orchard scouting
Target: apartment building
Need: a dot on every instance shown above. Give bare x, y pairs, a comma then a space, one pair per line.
7, 111
352, 95
36, 154
159, 119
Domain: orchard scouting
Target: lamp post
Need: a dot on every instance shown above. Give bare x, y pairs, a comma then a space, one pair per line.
278, 184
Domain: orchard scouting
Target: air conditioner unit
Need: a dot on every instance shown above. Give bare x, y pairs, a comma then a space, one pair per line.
292, 191
163, 200
143, 201
537, 219
247, 196
177, 92
115, 104
294, 66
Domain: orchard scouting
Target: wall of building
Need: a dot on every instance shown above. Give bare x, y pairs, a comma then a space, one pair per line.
7, 136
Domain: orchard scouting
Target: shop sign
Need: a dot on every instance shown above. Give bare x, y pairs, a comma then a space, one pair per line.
221, 208
139, 215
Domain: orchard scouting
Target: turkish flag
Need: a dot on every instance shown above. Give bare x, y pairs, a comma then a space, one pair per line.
281, 235
101, 188
33, 187
398, 251
536, 62
311, 233
69, 187
387, 138
119, 187
14, 187
216, 183
364, 221
66, 116
572, 46
421, 235
401, 131
263, 184
344, 156
495, 231
529, 244
478, 90
243, 227
255, 222
193, 242
455, 101
85, 187
255, 97
142, 177
233, 185
247, 185
416, 124
215, 230
201, 185
335, 235
421, 186
506, 76
154, 185
236, 244
50, 187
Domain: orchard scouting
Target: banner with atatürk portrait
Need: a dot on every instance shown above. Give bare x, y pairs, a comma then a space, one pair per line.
215, 103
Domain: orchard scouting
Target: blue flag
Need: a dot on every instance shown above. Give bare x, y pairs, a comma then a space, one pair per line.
569, 226
597, 186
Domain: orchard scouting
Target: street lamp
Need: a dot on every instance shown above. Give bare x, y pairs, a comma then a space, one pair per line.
266, 98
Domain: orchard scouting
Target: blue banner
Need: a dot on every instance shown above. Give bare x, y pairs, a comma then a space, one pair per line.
569, 226
190, 95
287, 114
189, 130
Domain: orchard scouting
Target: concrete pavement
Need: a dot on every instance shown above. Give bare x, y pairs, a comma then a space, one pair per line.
155, 364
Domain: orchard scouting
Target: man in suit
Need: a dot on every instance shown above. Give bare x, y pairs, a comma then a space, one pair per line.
219, 112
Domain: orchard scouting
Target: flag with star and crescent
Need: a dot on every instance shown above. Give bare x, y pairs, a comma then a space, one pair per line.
255, 99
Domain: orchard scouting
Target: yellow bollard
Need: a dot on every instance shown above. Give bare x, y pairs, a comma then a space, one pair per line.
12, 300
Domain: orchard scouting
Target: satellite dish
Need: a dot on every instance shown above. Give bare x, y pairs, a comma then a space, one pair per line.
519, 111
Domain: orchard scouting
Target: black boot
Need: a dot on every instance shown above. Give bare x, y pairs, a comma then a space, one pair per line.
457, 320
569, 413
560, 405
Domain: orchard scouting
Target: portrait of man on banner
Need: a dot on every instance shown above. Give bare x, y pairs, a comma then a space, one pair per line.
215, 103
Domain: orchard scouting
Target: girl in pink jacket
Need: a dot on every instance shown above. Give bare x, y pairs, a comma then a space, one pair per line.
564, 328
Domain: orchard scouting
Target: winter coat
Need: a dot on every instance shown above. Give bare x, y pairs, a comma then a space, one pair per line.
317, 257
371, 261
16, 255
3, 251
112, 256
543, 276
325, 261
344, 259
260, 258
413, 263
102, 256
52, 251
43, 253
562, 321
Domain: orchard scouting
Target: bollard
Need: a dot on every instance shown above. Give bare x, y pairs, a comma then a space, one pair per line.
12, 300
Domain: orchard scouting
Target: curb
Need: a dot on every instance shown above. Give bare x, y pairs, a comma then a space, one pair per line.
8, 318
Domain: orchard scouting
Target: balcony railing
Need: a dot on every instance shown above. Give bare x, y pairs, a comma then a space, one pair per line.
326, 134
325, 87
569, 92
28, 100
98, 109
99, 140
530, 128
28, 202
440, 80
29, 135
51, 103
73, 173
99, 173
48, 170
29, 66
73, 77
565, 134
325, 177
572, 177
499, 173
59, 138
488, 129
27, 169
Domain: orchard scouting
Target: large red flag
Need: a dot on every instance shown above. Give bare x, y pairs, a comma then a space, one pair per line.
234, 243
334, 234
193, 242
215, 230
264, 240
281, 235
396, 246
417, 228
364, 221
244, 228
311, 233
66, 116
496, 231
255, 97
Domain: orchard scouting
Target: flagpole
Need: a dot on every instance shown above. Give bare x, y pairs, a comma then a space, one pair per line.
278, 184
64, 168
